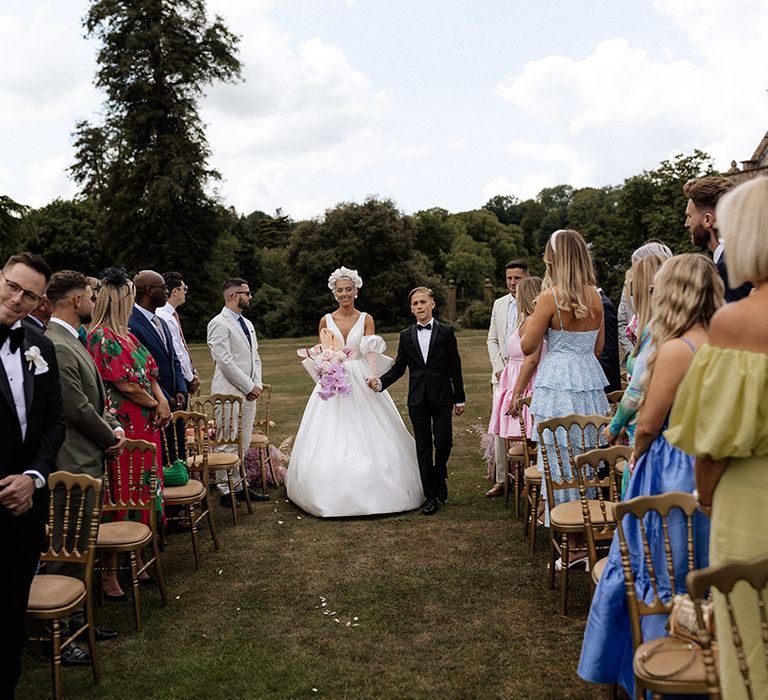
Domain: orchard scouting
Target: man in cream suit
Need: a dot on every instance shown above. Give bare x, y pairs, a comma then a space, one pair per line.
503, 323
237, 365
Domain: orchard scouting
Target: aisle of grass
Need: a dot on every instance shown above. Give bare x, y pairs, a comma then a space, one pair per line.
451, 606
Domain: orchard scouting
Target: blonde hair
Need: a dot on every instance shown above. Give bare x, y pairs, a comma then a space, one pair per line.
687, 291
742, 218
114, 303
641, 281
528, 289
569, 269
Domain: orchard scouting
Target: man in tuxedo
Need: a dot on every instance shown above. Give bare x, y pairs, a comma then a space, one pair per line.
91, 432
703, 195
37, 319
609, 358
429, 351
503, 324
31, 431
154, 334
237, 366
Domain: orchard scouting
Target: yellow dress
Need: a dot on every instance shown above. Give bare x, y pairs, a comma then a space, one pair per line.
721, 410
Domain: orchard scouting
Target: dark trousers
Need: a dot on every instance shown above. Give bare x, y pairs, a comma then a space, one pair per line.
22, 537
432, 425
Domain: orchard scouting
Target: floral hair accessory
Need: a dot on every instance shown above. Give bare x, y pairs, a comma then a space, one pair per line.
346, 273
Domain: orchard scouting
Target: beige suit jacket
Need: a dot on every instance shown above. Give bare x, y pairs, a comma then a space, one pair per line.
497, 335
237, 365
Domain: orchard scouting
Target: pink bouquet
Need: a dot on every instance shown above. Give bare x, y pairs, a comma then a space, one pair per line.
328, 365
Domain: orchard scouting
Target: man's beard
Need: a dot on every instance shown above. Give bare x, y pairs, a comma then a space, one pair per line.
700, 236
242, 304
85, 319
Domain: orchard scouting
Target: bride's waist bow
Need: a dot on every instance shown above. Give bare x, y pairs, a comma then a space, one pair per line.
372, 349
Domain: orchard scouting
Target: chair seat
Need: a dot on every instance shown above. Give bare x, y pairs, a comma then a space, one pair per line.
259, 440
123, 533
53, 592
671, 665
216, 460
193, 490
532, 475
569, 514
516, 449
598, 568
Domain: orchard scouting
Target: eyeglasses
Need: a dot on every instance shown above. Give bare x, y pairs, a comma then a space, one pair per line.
246, 293
155, 286
185, 287
94, 297
14, 289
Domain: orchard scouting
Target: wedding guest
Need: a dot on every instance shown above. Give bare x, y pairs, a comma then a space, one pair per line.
37, 319
727, 383
686, 293
177, 295
133, 395
701, 220
503, 323
626, 311
569, 316
609, 357
515, 381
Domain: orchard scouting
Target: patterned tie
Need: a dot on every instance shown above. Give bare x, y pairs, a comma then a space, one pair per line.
159, 326
245, 330
82, 336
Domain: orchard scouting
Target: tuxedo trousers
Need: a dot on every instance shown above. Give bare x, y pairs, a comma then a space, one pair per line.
432, 428
23, 538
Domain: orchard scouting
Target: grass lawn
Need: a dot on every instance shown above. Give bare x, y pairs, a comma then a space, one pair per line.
450, 606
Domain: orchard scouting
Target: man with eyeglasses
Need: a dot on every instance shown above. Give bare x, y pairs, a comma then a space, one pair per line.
31, 432
177, 295
37, 319
237, 367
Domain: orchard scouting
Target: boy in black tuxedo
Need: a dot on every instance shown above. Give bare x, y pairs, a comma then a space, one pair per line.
435, 389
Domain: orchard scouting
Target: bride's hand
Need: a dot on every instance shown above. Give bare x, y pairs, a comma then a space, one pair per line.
374, 383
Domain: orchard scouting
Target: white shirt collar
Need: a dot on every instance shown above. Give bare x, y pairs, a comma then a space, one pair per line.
147, 314
718, 253
231, 313
66, 325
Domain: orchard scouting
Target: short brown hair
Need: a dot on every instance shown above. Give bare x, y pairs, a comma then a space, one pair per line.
63, 282
36, 262
705, 192
234, 282
517, 264
426, 291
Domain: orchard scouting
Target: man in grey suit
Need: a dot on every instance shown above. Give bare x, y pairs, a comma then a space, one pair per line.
237, 365
91, 432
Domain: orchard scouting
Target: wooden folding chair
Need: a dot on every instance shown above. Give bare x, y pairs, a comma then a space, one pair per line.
73, 525
227, 445
667, 665
614, 399
566, 519
133, 488
724, 578
194, 494
531, 478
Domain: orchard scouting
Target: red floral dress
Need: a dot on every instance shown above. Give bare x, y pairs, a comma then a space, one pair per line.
121, 359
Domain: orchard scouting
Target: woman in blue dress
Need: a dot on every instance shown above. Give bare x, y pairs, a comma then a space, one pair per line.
569, 316
687, 291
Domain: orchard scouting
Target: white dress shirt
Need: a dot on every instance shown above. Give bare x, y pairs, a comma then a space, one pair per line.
718, 253
151, 318
424, 337
14, 370
511, 319
167, 313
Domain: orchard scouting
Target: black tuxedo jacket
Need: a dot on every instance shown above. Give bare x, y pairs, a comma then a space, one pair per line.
609, 358
731, 294
171, 378
438, 381
45, 419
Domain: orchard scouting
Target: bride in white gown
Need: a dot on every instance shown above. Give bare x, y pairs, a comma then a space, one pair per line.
353, 454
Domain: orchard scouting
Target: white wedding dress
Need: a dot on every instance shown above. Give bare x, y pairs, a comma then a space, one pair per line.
353, 454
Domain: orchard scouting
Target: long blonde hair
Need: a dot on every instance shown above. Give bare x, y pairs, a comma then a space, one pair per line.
569, 268
114, 303
643, 273
687, 291
528, 289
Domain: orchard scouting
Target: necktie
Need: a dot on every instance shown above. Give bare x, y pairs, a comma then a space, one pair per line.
427, 327
16, 336
158, 325
245, 329
82, 336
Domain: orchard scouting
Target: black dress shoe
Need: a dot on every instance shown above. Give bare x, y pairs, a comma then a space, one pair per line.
442, 493
226, 502
115, 598
102, 634
258, 497
430, 507
75, 656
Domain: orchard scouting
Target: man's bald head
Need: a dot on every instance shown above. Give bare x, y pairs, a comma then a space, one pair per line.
151, 290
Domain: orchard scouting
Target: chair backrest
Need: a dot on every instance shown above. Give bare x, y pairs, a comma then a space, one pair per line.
724, 578
614, 399
521, 403
597, 469
131, 480
652, 513
73, 519
194, 436
263, 423
570, 432
226, 412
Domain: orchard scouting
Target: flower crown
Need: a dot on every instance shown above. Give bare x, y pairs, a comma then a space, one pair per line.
346, 273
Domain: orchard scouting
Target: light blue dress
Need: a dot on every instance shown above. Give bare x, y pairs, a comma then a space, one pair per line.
569, 380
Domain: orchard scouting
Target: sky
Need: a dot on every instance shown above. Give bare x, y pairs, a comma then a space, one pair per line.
432, 103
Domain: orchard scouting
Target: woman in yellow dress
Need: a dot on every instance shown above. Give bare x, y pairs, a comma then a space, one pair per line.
720, 415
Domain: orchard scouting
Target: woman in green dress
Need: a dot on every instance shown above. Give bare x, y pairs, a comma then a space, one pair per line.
720, 415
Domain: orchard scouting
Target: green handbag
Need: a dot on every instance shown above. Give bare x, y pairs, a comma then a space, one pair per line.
175, 474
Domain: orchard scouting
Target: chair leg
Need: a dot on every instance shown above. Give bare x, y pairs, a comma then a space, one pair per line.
565, 559
56, 658
159, 572
506, 483
92, 639
527, 510
246, 488
271, 466
232, 501
534, 516
552, 552
611, 691
263, 465
193, 532
211, 524
135, 590
518, 475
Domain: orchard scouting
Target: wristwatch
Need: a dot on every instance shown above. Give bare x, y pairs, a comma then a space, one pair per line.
37, 479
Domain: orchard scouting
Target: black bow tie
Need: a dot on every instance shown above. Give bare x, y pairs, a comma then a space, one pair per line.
427, 327
16, 336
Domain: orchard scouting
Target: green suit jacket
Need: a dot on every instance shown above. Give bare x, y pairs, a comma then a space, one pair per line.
89, 428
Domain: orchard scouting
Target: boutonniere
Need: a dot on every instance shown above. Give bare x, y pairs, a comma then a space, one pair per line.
35, 359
